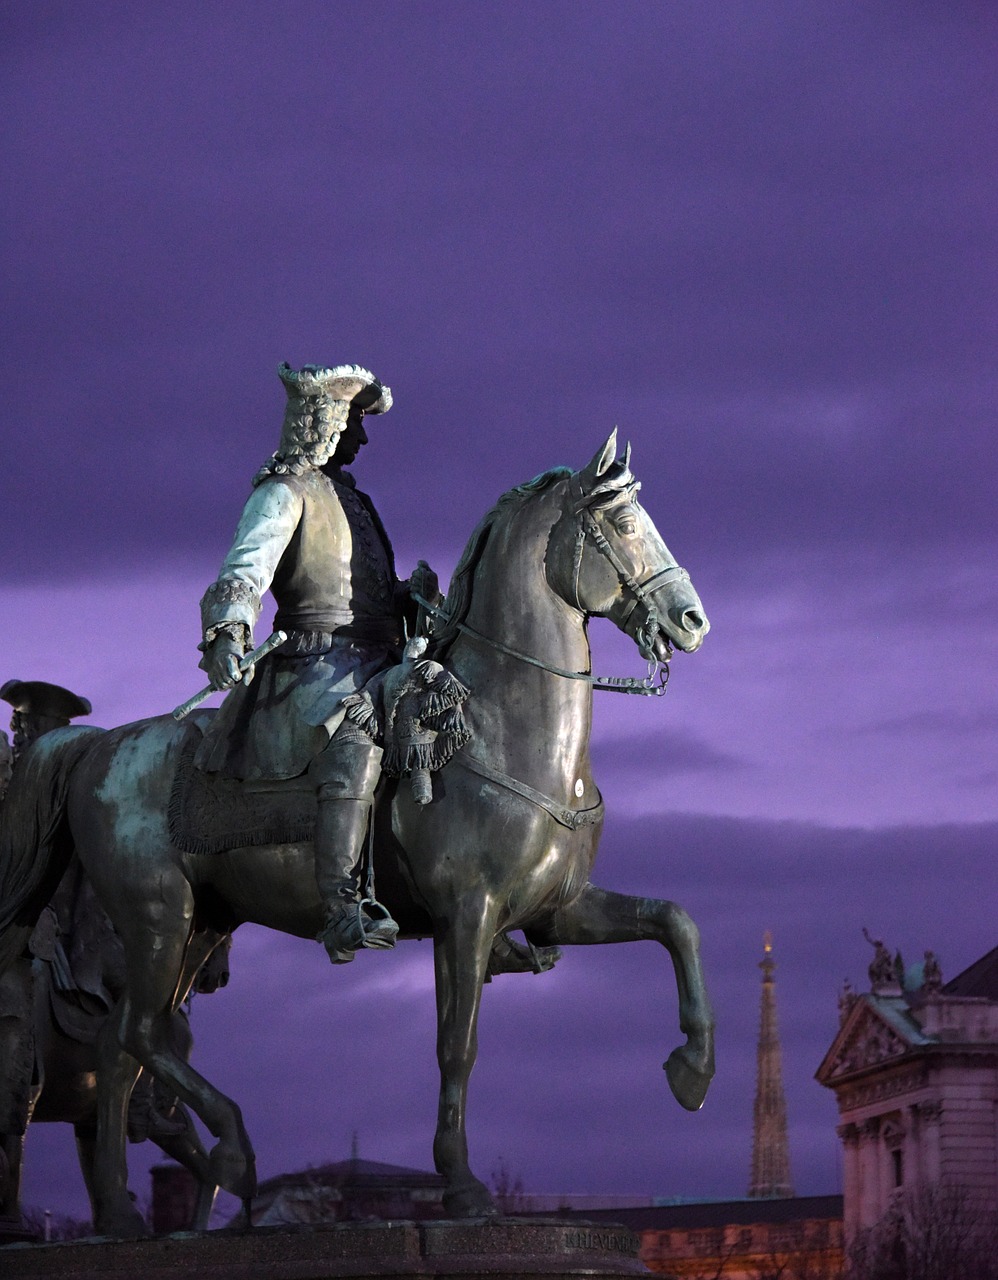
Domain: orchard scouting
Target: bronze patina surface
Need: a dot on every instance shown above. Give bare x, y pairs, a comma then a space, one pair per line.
505, 839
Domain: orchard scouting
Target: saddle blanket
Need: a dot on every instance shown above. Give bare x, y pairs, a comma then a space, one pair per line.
209, 813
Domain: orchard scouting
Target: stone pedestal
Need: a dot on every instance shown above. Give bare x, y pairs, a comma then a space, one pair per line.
507, 1249
14, 1232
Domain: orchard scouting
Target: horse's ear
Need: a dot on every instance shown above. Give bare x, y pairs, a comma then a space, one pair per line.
601, 460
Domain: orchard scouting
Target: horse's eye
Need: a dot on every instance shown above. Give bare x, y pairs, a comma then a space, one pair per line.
626, 525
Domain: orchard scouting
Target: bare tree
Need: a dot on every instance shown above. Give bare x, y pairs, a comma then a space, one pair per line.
718, 1267
56, 1226
930, 1233
508, 1190
800, 1251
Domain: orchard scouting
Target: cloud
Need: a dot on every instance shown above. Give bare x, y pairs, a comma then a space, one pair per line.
954, 721
639, 760
773, 253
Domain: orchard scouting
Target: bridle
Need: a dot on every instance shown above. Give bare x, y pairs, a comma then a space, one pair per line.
641, 593
655, 683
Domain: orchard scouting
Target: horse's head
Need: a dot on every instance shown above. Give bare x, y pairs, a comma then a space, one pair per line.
606, 558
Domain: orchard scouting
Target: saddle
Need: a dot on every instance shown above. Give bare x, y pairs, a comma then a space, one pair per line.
412, 710
210, 813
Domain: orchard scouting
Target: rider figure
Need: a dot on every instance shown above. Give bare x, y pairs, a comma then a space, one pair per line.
310, 536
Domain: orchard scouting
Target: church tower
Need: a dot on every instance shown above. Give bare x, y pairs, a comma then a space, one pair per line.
770, 1149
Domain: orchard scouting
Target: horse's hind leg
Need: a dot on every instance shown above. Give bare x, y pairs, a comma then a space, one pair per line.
85, 1133
187, 1149
11, 1159
461, 952
105, 1167
155, 932
599, 916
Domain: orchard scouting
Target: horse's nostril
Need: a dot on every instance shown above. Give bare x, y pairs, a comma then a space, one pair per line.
693, 620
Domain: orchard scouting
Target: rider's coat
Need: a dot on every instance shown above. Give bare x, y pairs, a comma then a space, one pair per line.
318, 545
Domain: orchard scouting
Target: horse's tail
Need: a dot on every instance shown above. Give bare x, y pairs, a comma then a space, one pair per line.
35, 841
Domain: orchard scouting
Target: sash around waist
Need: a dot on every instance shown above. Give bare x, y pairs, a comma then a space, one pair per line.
314, 633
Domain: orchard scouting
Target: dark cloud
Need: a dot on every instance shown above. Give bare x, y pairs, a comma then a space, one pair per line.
642, 761
762, 245
952, 722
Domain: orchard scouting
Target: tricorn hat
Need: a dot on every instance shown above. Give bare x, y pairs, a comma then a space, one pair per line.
39, 698
347, 382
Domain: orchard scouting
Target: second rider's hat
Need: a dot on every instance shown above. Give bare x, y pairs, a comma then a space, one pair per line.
39, 698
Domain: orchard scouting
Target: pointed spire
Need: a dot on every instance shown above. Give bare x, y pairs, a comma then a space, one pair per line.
770, 1149
355, 1147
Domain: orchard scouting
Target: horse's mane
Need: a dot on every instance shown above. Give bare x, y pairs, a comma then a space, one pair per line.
458, 600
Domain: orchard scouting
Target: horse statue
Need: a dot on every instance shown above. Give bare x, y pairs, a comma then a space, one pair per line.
507, 841
56, 1000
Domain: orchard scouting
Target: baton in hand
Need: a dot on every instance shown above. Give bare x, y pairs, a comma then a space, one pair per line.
247, 661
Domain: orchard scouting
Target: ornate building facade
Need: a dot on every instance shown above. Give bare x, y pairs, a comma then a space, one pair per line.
795, 1236
914, 1068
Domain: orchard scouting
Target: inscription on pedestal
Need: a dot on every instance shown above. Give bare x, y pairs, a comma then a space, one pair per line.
619, 1240
507, 1249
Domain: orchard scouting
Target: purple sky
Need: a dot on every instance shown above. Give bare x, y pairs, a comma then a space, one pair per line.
761, 238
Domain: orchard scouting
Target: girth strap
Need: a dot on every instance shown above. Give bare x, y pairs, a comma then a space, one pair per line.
574, 819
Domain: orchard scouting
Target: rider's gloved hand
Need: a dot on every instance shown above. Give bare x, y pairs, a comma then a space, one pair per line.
424, 582
221, 662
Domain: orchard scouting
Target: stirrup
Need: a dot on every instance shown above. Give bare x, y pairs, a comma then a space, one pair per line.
509, 956
380, 930
350, 928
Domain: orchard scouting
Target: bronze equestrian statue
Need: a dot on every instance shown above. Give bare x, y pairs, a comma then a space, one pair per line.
54, 1001
507, 840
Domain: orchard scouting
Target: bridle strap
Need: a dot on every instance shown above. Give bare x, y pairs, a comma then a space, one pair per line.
640, 591
571, 818
657, 679
654, 683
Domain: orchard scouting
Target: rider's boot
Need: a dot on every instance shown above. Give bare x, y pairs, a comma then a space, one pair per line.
346, 774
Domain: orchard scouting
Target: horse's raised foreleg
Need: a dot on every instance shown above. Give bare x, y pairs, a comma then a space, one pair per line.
599, 916
461, 953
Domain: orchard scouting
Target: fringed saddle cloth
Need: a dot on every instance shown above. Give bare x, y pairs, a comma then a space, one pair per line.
413, 710
209, 813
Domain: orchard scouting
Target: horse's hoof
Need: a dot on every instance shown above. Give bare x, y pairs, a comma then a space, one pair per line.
232, 1171
242, 1222
125, 1224
473, 1201
689, 1084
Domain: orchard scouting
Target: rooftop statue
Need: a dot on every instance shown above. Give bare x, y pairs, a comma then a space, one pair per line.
503, 836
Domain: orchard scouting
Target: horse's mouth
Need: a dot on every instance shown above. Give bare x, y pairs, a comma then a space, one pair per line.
661, 649
687, 639
656, 634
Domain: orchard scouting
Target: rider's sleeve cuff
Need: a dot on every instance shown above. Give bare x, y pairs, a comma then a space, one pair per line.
232, 606
236, 631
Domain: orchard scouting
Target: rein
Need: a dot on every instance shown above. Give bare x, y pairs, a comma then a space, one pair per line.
656, 682
653, 685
